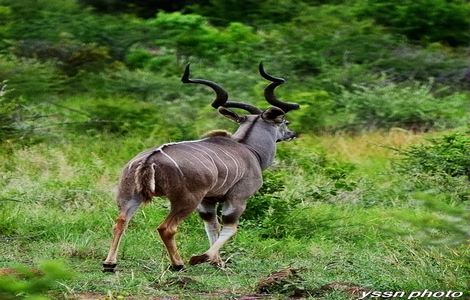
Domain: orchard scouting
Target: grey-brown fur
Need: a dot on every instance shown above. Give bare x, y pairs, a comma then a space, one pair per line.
209, 167
197, 175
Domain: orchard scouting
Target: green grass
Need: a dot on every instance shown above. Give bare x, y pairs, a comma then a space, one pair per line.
56, 203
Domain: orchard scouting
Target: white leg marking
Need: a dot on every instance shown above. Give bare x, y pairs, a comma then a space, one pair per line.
226, 233
212, 231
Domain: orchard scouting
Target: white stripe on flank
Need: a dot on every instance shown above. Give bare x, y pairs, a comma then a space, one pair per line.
236, 164
226, 168
152, 178
139, 157
146, 153
206, 167
208, 155
173, 161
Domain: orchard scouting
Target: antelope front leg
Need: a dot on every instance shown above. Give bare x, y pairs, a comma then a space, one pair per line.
230, 214
207, 212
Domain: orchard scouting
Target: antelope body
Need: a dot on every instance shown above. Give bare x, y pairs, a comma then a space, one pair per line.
197, 175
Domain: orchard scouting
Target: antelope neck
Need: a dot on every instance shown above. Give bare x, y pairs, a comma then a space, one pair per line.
260, 139
247, 131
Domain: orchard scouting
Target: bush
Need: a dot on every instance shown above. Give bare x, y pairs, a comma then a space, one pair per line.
446, 66
65, 21
339, 39
115, 119
141, 84
23, 282
382, 106
71, 57
266, 203
248, 11
440, 167
138, 58
30, 78
391, 105
13, 119
424, 20
449, 154
191, 35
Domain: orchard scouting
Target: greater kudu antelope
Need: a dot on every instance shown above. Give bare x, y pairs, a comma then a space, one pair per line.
197, 175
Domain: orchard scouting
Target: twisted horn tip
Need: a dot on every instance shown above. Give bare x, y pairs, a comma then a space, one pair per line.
269, 77
185, 77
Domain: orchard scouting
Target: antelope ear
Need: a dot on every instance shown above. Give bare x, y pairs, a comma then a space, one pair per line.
230, 114
274, 114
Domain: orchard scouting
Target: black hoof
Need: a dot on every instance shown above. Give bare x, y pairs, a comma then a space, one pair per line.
176, 268
199, 259
109, 268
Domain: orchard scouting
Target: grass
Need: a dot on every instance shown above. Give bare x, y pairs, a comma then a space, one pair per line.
56, 203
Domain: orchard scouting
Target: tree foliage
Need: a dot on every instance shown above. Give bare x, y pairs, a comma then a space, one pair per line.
352, 65
423, 20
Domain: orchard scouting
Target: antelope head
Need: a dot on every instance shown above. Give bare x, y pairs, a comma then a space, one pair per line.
270, 121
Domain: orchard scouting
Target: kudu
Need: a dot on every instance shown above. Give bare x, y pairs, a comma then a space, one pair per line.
197, 175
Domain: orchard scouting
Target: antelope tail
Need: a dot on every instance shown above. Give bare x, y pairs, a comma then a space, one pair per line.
145, 180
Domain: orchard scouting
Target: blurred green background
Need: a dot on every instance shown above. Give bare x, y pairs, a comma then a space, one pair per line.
374, 193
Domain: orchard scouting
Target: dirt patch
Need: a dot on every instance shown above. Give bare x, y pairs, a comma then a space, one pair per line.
87, 296
288, 282
19, 273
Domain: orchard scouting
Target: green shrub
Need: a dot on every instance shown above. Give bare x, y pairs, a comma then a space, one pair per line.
317, 113
71, 57
249, 11
382, 105
440, 167
391, 105
424, 20
142, 84
14, 117
448, 154
307, 52
266, 203
117, 118
29, 78
138, 58
445, 66
65, 21
28, 283
191, 35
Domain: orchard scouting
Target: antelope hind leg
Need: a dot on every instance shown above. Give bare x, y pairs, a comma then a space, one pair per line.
126, 212
167, 231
